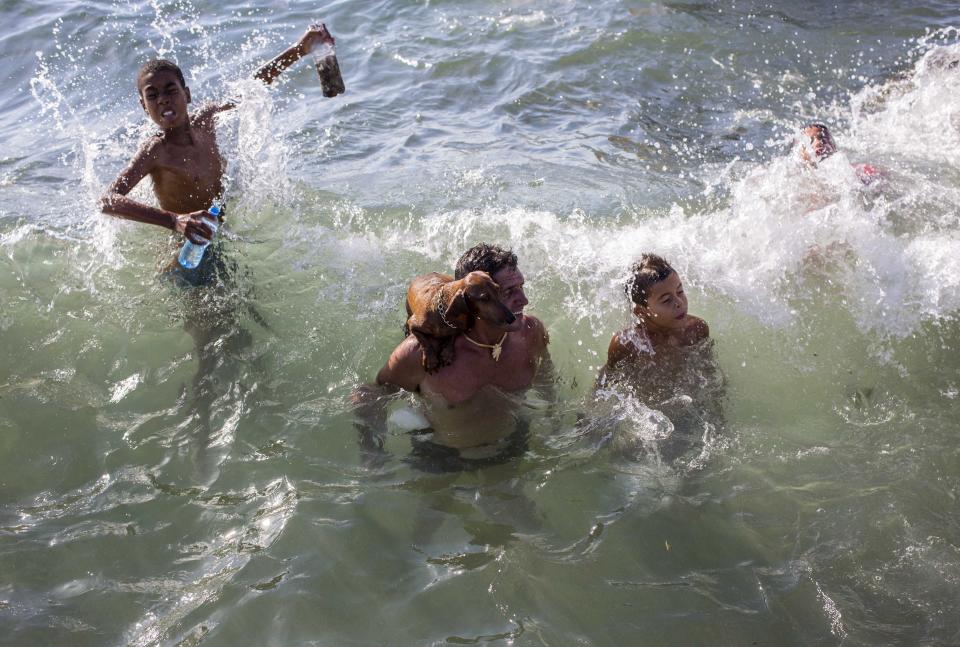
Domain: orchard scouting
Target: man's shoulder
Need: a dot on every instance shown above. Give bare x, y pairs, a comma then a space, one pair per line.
409, 347
404, 368
628, 342
534, 328
158, 150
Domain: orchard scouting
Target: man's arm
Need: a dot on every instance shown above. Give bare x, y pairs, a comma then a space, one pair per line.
403, 370
699, 330
622, 355
116, 203
315, 35
205, 115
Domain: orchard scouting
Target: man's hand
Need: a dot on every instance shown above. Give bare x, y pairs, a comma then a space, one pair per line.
194, 227
315, 35
369, 404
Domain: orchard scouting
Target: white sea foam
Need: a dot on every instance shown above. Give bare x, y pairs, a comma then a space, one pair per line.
899, 265
532, 18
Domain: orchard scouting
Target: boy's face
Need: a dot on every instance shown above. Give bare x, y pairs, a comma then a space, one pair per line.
820, 146
164, 98
666, 304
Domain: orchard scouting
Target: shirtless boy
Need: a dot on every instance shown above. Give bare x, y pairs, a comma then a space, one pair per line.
664, 361
183, 159
662, 322
471, 404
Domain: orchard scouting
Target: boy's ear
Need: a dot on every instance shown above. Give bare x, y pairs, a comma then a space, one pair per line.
186, 91
142, 104
639, 310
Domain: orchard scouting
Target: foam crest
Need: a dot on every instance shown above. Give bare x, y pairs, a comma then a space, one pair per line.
257, 168
914, 118
783, 221
763, 226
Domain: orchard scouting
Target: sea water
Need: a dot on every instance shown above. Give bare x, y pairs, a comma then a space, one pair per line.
186, 471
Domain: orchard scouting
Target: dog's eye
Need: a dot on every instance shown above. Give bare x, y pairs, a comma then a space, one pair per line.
483, 296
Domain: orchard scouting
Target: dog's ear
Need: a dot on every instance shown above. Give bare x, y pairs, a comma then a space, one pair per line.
462, 311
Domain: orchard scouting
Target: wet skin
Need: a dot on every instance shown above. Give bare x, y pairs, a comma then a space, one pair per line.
188, 169
183, 159
663, 320
474, 366
469, 402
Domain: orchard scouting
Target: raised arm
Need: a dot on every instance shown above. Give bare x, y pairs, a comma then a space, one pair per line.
116, 203
315, 35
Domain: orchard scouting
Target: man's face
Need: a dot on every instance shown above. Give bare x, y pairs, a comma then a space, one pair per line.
511, 293
164, 98
666, 304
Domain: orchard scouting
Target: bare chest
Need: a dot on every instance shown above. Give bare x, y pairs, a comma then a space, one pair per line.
474, 370
188, 177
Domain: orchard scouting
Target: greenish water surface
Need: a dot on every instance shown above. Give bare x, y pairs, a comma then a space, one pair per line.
182, 468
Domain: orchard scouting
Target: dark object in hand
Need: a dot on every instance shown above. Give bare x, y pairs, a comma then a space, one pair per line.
329, 70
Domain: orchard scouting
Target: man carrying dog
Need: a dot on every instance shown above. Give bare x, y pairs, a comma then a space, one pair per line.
471, 404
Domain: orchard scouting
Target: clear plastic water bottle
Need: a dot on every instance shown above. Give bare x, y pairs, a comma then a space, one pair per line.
191, 253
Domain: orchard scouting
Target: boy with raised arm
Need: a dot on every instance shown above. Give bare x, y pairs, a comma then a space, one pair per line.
183, 159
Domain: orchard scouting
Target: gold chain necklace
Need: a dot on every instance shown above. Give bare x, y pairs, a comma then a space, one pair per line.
495, 349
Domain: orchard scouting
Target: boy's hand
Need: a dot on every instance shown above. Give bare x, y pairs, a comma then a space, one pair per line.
193, 226
315, 35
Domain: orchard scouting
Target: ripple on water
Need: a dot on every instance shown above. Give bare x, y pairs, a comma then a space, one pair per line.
262, 515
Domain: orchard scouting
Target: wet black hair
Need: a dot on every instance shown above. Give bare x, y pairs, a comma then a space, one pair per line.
160, 65
644, 274
484, 258
823, 132
822, 128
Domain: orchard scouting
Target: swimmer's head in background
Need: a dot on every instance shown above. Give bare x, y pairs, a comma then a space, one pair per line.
816, 143
644, 274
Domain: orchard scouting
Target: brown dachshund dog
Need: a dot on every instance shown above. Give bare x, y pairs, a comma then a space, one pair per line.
440, 308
